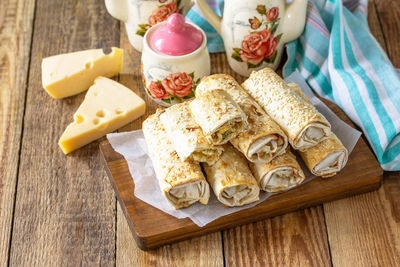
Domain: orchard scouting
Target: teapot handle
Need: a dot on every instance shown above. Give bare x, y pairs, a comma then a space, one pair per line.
117, 9
294, 20
209, 15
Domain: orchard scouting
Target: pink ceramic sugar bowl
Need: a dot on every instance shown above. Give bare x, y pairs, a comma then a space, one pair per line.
174, 59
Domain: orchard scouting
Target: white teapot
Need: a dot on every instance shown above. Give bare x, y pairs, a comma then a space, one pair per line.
254, 31
140, 15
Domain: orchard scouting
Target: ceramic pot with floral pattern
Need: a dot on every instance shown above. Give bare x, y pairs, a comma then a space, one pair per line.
255, 31
141, 15
174, 59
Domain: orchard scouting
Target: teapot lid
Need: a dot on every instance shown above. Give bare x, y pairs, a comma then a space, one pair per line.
176, 37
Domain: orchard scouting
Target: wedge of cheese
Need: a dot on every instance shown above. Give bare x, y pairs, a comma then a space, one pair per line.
107, 106
70, 74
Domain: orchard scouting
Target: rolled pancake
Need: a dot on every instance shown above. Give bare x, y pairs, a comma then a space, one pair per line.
231, 179
220, 118
187, 136
264, 140
327, 158
181, 182
279, 175
297, 116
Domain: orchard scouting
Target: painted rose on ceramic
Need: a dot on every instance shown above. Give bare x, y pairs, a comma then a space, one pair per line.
260, 46
255, 46
174, 87
178, 84
273, 14
160, 14
157, 90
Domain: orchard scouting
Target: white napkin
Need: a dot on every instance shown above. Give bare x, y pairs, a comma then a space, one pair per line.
132, 146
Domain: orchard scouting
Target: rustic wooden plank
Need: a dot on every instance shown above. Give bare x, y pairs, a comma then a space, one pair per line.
388, 12
365, 230
65, 209
15, 38
203, 251
295, 239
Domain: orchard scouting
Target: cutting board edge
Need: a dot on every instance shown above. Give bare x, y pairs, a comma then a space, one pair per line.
152, 242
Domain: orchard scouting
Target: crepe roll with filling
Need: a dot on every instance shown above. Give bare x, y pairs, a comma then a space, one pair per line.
264, 140
219, 117
181, 182
187, 136
327, 158
231, 179
297, 116
279, 175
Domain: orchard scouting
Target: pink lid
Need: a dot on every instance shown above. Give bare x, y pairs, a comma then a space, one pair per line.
176, 37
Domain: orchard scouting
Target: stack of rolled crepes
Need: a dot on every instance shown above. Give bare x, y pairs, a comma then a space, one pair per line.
307, 129
258, 119
182, 182
264, 140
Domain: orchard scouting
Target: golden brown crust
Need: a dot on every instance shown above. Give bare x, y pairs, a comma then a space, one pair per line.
287, 160
229, 171
318, 153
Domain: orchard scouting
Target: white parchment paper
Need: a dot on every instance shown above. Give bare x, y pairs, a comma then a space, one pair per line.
132, 146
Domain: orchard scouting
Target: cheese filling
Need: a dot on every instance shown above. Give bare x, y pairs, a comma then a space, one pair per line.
207, 155
238, 195
330, 165
187, 193
312, 135
265, 148
281, 179
227, 131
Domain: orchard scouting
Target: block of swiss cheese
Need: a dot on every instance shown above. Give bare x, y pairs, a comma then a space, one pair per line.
108, 105
70, 74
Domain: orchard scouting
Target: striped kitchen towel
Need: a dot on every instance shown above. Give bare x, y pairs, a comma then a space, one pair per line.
341, 60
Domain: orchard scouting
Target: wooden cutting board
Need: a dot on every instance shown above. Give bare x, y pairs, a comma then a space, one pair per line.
152, 228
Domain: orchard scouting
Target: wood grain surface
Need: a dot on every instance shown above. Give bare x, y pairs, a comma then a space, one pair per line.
15, 39
295, 239
65, 209
65, 212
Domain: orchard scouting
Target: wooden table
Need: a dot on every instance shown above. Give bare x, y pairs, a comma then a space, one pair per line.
61, 210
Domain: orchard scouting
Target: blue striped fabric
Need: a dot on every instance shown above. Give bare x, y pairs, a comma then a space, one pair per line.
341, 60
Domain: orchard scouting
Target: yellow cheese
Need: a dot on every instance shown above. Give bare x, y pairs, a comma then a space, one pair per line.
70, 74
107, 106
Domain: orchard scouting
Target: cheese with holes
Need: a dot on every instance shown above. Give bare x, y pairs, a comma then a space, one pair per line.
108, 105
70, 74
